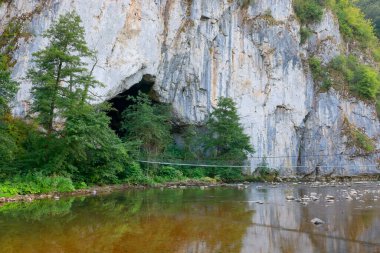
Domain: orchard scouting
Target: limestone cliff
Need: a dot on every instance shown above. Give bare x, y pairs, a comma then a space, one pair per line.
199, 50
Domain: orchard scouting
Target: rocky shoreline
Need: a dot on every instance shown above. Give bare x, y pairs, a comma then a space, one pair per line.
99, 190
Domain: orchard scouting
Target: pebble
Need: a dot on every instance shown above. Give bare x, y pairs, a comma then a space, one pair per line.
329, 197
317, 221
290, 198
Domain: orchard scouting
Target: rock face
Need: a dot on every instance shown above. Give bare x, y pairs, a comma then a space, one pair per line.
199, 50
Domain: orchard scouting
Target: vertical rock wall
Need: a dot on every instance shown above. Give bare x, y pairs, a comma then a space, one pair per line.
200, 50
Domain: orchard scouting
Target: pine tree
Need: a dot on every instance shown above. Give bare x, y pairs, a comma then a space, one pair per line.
84, 147
225, 139
60, 78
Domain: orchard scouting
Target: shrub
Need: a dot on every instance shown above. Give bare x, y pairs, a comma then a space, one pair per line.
35, 183
134, 174
357, 138
170, 173
308, 11
354, 26
229, 175
265, 173
363, 81
305, 33
320, 73
194, 172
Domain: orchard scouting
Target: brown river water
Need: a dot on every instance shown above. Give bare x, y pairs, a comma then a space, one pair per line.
247, 219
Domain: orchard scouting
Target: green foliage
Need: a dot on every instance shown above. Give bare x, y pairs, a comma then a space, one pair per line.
192, 172
363, 81
134, 174
147, 124
357, 138
60, 78
320, 73
8, 40
80, 144
353, 24
371, 9
355, 27
305, 33
309, 11
35, 184
265, 173
8, 87
168, 174
95, 153
225, 139
229, 175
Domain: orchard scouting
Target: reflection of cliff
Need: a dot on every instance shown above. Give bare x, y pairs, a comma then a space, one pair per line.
137, 221
281, 226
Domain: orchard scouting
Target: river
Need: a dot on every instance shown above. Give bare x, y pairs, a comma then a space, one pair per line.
248, 219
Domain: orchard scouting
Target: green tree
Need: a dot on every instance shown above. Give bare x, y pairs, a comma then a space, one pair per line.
83, 147
95, 152
8, 142
371, 9
8, 87
148, 124
60, 78
225, 138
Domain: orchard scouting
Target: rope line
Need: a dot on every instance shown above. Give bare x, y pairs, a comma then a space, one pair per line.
246, 166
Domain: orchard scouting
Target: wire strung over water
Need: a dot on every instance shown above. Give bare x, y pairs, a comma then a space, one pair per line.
246, 166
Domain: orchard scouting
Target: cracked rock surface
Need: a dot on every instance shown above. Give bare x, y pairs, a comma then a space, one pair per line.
200, 50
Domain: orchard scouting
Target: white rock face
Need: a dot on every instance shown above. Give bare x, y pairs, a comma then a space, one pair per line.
200, 50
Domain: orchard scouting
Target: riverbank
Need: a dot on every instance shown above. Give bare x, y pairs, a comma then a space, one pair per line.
99, 190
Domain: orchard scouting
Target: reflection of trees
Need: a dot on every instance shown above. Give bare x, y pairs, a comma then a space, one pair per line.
136, 221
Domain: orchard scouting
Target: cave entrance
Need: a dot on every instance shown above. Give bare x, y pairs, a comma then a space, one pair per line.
120, 102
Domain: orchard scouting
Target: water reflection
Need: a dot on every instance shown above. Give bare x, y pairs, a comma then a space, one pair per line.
257, 219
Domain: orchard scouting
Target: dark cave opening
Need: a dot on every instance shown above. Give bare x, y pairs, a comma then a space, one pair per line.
120, 102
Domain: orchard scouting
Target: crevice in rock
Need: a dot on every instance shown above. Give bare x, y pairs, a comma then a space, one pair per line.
120, 102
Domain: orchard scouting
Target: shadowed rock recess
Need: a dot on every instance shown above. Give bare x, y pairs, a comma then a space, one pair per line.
200, 50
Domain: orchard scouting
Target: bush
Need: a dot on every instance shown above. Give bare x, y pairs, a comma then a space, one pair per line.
134, 174
308, 11
305, 33
194, 172
229, 175
35, 184
354, 26
169, 173
363, 81
265, 173
357, 138
320, 73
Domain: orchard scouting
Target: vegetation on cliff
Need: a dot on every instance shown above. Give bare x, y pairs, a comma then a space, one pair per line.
67, 143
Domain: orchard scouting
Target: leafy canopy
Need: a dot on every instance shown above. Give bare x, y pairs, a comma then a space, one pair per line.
148, 124
60, 78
